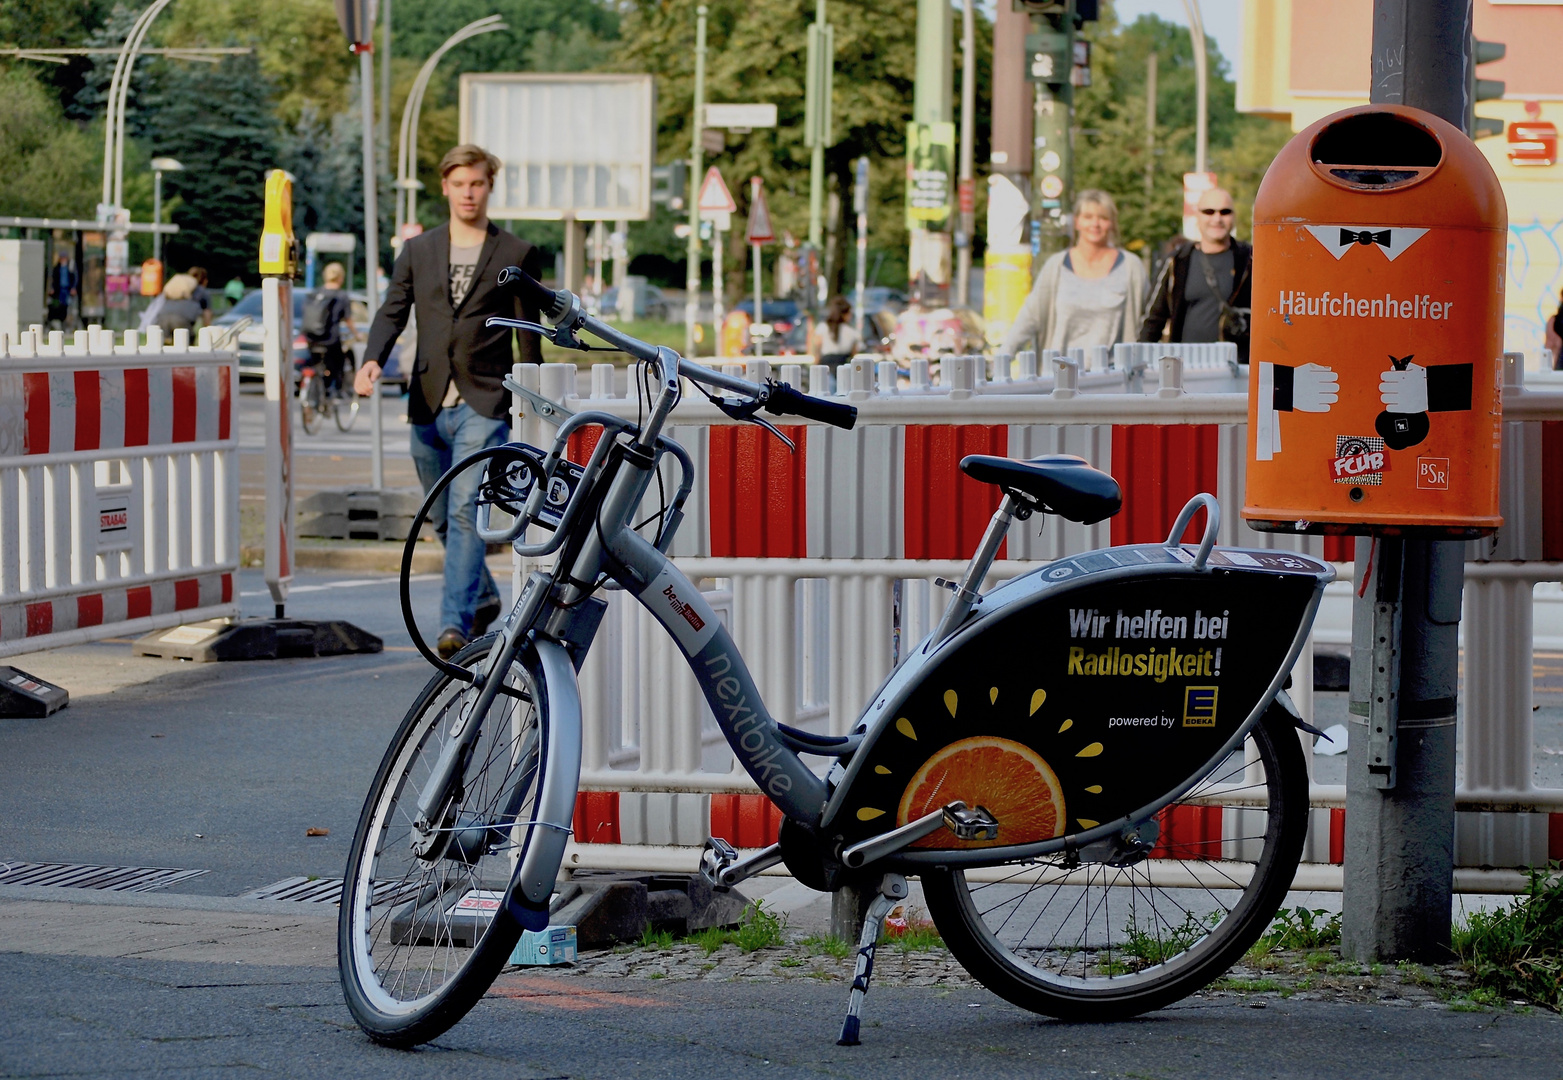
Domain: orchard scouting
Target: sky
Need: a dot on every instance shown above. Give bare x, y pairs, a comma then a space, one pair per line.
1222, 18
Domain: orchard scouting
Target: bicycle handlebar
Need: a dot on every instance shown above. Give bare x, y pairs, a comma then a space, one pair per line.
780, 399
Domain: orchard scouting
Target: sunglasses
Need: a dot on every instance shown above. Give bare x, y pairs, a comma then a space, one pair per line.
1225, 212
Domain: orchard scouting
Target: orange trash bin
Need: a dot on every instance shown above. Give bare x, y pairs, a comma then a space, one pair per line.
1375, 379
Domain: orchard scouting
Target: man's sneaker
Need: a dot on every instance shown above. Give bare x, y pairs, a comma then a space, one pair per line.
484, 617
451, 642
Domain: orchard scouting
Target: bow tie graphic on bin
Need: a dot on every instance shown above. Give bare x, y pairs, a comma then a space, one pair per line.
1365, 237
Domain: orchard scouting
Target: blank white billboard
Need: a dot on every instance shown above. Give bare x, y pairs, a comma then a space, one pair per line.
571, 145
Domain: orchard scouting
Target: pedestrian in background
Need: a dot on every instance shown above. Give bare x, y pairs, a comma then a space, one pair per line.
201, 296
234, 290
457, 402
62, 286
325, 316
1555, 338
1204, 291
835, 340
179, 311
1092, 293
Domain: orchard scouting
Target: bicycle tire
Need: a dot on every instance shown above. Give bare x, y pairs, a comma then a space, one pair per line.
310, 398
1075, 967
345, 407
415, 920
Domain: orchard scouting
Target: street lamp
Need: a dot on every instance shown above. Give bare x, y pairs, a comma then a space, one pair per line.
160, 165
1197, 33
407, 185
114, 123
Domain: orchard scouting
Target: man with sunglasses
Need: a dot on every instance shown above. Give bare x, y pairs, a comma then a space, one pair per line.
1204, 290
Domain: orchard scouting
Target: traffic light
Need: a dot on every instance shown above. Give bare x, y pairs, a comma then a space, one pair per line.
1483, 52
670, 185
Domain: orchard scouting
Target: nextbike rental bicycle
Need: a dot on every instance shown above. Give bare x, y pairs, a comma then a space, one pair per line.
1093, 768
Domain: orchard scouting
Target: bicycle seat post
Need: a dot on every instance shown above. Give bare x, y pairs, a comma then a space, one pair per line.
967, 590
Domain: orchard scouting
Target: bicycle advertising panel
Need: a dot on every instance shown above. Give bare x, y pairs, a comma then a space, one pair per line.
1101, 692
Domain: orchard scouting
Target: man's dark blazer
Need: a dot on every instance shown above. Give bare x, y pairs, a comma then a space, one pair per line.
453, 342
1167, 295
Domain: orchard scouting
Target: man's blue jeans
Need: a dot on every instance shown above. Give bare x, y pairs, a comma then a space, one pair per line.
455, 433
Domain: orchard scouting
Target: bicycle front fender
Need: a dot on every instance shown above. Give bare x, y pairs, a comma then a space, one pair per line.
554, 809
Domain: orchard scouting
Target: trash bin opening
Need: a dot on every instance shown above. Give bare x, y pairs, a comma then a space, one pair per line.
1375, 151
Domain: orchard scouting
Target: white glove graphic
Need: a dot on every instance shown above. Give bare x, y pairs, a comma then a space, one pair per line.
1405, 391
1314, 388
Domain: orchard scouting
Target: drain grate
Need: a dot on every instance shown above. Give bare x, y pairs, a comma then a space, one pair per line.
80, 876
305, 890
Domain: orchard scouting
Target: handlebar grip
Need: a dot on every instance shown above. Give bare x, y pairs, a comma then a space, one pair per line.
551, 304
783, 400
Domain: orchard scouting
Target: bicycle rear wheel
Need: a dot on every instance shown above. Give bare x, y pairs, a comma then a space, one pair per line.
1095, 941
311, 401
419, 940
346, 399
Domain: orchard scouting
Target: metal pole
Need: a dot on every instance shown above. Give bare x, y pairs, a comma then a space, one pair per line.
157, 214
968, 138
818, 108
1400, 767
716, 289
1201, 122
759, 303
385, 74
860, 205
1150, 129
137, 37
692, 279
371, 249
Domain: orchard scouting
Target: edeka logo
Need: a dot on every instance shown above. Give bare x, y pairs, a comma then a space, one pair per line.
679, 606
761, 753
1199, 706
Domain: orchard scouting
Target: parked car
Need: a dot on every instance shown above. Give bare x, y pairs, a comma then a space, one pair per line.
251, 340
650, 303
938, 332
881, 298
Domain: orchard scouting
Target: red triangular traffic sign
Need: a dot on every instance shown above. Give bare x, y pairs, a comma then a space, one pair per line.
760, 231
714, 196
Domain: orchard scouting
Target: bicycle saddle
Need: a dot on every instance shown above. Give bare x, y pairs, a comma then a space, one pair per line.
1062, 483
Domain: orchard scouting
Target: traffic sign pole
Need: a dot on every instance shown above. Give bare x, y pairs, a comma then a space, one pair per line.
716, 205
692, 278
759, 232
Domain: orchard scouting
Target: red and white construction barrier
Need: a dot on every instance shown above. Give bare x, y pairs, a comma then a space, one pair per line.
119, 486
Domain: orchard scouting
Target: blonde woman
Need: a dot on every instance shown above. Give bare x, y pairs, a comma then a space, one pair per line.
1092, 293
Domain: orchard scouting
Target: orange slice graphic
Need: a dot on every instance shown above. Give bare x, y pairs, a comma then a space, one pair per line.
1015, 785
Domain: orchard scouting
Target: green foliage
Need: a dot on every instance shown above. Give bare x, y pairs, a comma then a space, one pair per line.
53, 168
919, 935
1517, 951
759, 929
656, 939
1161, 941
826, 945
710, 939
1110, 116
1301, 928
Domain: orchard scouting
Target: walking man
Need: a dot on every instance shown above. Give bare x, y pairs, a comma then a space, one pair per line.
457, 402
1205, 288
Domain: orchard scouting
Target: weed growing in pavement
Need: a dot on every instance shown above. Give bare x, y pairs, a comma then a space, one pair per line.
826, 945
1517, 951
1252, 986
759, 928
710, 939
656, 939
789, 962
1162, 941
1301, 928
917, 935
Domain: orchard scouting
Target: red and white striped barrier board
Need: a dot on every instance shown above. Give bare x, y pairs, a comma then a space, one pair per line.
119, 486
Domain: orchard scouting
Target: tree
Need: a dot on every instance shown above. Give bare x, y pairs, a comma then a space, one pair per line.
51, 164
219, 121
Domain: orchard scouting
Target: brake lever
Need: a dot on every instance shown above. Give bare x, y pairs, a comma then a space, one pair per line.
562, 335
546, 408
745, 413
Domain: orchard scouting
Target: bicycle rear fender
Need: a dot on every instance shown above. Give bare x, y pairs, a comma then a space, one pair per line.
1079, 698
554, 810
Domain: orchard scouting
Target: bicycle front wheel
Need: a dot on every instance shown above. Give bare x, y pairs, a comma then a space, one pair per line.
1084, 940
346, 399
311, 402
421, 936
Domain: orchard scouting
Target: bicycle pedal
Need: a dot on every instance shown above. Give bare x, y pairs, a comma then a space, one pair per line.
971, 823
716, 858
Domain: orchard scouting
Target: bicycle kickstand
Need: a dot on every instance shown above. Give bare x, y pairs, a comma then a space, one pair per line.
892, 889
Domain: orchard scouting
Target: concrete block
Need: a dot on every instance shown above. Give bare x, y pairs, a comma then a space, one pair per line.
22, 283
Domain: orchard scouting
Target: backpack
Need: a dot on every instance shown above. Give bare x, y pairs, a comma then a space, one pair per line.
319, 325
